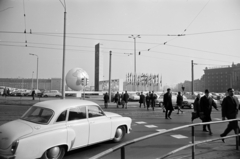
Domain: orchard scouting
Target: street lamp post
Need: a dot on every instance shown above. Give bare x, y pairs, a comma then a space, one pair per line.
37, 66
135, 62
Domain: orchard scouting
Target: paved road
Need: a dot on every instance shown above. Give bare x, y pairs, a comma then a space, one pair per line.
144, 123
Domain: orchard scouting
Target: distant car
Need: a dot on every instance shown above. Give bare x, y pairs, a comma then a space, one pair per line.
133, 96
37, 92
186, 102
49, 129
52, 93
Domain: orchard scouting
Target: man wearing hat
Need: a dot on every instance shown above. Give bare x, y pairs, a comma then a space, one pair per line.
206, 104
230, 106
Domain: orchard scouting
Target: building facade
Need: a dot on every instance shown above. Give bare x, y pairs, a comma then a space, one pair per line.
28, 83
221, 78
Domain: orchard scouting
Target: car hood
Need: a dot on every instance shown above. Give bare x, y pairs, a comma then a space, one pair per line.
12, 131
110, 115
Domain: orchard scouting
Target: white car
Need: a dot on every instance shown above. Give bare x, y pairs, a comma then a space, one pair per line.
49, 129
134, 96
52, 93
186, 102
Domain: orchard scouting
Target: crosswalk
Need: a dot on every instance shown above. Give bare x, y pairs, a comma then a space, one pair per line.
177, 136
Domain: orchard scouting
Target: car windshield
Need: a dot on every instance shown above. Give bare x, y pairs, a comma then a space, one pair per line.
38, 115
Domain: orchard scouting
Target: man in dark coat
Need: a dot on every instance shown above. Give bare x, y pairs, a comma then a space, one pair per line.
153, 100
5, 92
230, 106
106, 99
206, 104
117, 98
167, 101
125, 98
142, 100
179, 102
150, 98
33, 94
148, 101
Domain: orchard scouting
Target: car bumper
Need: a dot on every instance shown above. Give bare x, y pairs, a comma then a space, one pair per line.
7, 157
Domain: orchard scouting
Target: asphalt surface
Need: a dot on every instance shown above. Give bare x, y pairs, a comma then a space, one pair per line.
144, 123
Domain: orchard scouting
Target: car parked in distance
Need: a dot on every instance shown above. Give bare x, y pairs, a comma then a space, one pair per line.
49, 129
52, 93
186, 102
134, 96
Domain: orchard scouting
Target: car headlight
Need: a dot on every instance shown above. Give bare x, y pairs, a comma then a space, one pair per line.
14, 146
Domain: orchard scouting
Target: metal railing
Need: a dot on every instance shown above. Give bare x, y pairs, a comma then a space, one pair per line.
123, 145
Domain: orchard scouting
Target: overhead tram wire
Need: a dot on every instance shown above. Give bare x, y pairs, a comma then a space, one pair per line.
118, 53
59, 48
211, 32
119, 49
11, 42
182, 34
187, 56
25, 23
203, 51
177, 35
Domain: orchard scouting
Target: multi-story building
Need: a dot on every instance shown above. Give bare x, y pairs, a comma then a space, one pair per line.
236, 76
219, 79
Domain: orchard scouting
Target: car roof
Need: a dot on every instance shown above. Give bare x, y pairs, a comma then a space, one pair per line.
60, 105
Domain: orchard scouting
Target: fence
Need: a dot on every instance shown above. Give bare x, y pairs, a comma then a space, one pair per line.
123, 145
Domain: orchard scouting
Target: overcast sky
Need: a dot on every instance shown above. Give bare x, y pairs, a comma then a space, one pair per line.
211, 38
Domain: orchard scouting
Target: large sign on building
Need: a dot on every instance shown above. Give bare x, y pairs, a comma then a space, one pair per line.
116, 85
143, 82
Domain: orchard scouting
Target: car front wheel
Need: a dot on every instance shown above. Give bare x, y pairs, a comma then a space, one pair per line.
57, 152
120, 133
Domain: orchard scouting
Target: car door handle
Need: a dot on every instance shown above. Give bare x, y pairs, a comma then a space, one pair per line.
69, 125
92, 122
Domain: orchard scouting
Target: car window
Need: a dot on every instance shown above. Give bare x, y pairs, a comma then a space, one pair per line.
77, 113
38, 115
62, 116
94, 111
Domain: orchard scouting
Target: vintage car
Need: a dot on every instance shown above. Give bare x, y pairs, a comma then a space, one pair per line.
187, 103
49, 129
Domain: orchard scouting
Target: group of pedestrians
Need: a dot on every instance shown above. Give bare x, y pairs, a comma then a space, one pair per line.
168, 105
230, 106
149, 100
120, 99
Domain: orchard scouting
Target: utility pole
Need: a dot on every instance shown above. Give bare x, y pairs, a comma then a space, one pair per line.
64, 48
192, 76
109, 81
135, 61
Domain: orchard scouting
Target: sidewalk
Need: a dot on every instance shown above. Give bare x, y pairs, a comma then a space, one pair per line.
211, 150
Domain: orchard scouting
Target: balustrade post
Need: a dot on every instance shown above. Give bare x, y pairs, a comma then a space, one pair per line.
193, 141
237, 137
123, 152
